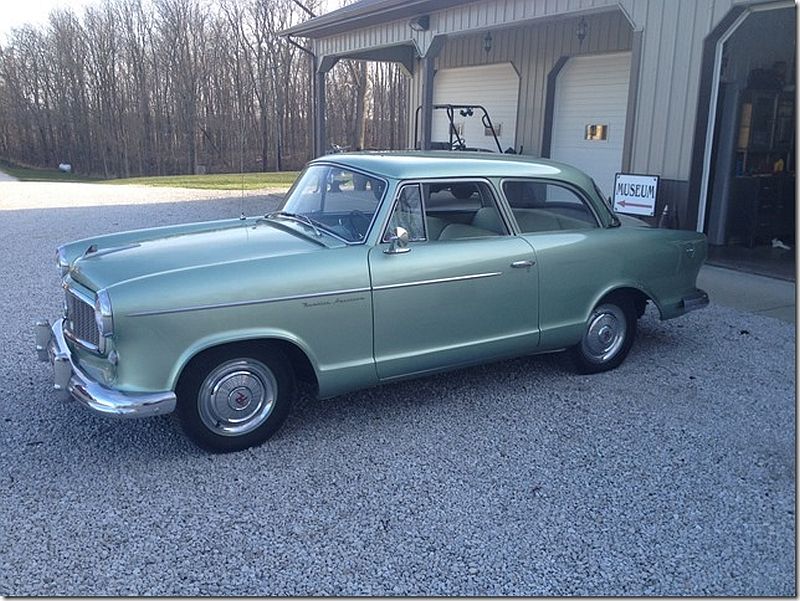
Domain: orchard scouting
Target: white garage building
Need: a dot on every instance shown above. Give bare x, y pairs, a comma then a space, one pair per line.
698, 92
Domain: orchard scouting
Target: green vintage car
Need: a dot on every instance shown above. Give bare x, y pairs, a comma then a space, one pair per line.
376, 267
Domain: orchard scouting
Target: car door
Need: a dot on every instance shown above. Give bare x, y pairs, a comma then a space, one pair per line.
464, 292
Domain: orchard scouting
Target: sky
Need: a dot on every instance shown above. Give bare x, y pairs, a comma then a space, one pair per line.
14, 13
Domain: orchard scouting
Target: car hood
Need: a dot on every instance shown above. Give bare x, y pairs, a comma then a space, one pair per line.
117, 259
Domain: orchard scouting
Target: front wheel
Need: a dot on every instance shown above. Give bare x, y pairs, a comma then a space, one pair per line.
235, 397
609, 334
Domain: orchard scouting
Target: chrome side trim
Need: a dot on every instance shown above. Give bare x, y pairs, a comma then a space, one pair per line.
265, 301
460, 278
262, 301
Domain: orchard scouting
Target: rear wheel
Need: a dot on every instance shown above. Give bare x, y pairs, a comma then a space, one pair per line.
608, 336
235, 397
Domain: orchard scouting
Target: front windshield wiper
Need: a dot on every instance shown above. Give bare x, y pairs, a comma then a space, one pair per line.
305, 219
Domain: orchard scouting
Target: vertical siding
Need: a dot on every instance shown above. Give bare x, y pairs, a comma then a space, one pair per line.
534, 50
672, 43
669, 80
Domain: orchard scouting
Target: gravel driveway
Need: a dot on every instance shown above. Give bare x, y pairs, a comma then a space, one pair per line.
674, 474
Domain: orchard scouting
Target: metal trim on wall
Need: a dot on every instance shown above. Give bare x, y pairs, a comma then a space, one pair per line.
633, 100
708, 75
550, 105
702, 148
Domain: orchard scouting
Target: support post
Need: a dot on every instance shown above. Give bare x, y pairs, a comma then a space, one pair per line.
319, 114
320, 138
428, 71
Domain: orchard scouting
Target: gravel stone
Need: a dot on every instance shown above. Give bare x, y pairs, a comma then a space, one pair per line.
672, 475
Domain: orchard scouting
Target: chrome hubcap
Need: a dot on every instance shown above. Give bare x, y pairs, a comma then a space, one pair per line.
237, 397
605, 333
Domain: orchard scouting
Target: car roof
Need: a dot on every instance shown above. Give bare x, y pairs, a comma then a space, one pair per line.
447, 164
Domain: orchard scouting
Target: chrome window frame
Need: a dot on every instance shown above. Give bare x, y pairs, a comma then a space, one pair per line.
579, 192
398, 190
378, 204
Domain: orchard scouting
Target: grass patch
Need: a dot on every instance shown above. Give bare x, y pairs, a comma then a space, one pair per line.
31, 174
216, 181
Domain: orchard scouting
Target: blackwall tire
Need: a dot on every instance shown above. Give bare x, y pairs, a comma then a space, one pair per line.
607, 337
235, 397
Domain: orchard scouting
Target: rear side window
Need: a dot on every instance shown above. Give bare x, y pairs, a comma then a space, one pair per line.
545, 207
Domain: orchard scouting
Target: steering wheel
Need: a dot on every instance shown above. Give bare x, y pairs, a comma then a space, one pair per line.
356, 216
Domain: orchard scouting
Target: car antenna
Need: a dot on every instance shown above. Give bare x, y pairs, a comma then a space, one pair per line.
241, 162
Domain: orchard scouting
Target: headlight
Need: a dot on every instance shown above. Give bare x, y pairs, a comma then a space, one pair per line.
103, 315
61, 261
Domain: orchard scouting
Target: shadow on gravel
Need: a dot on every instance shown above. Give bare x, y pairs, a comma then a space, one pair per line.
113, 444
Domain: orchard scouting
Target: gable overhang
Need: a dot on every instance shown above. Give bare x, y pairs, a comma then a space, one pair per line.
364, 14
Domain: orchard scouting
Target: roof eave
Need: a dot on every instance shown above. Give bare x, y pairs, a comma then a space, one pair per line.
349, 17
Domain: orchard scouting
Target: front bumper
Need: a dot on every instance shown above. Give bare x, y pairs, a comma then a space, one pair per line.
697, 300
68, 376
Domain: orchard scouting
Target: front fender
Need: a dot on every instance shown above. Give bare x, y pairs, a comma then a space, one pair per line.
233, 336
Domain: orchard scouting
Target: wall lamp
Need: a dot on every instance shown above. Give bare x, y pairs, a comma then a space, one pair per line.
583, 29
487, 42
421, 23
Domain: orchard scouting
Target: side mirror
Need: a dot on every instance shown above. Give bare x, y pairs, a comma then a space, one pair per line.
399, 241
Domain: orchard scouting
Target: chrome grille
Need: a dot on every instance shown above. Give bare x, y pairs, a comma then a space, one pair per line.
80, 320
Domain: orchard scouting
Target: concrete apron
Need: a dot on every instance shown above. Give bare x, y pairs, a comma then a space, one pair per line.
749, 292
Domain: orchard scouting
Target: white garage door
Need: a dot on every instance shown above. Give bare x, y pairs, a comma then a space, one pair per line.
495, 87
592, 91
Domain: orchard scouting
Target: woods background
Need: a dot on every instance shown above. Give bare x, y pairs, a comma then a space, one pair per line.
159, 87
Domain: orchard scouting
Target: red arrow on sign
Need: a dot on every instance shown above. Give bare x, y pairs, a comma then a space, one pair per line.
623, 203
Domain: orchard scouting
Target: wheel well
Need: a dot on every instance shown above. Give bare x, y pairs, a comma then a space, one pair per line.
303, 369
638, 297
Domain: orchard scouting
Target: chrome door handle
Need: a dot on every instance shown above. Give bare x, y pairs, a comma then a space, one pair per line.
522, 264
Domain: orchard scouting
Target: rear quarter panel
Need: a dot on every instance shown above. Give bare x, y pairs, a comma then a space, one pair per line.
578, 268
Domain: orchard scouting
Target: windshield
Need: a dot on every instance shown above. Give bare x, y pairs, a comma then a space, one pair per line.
334, 200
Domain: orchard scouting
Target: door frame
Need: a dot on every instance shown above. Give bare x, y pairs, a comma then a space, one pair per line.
709, 96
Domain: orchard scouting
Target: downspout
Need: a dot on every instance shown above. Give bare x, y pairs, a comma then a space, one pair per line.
313, 78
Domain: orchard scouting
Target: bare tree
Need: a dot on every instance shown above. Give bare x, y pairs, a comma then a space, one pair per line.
164, 86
